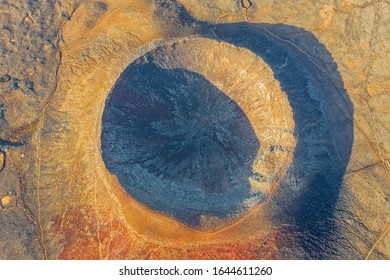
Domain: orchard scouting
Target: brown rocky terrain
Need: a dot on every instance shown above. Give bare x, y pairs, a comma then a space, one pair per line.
311, 77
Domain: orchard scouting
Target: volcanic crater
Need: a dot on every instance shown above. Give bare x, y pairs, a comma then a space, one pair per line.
186, 130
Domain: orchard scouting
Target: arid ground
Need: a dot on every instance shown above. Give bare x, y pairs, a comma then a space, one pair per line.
194, 129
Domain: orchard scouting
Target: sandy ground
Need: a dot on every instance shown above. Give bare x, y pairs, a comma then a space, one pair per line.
59, 61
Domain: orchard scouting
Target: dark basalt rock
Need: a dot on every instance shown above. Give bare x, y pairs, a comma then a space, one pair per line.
5, 78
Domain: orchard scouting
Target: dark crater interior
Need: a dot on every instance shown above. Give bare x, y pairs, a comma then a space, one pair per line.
177, 143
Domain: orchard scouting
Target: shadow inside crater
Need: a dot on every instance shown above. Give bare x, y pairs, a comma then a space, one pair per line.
177, 143
323, 115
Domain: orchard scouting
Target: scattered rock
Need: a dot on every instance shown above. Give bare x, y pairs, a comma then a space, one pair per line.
2, 109
246, 4
2, 160
8, 201
5, 78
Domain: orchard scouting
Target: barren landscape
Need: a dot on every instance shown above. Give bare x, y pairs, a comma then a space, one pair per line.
194, 129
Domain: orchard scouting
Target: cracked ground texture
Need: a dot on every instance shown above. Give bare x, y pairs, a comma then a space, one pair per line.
59, 62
